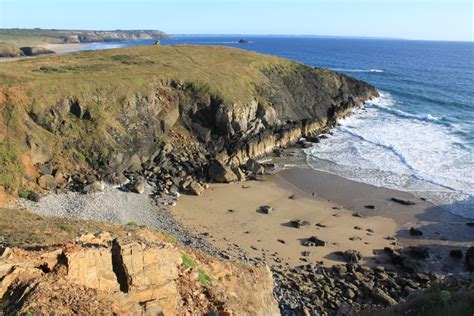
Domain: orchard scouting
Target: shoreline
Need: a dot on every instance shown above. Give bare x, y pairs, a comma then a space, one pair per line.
58, 49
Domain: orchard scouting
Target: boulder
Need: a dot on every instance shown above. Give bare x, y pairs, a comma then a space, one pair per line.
96, 186
254, 167
470, 259
239, 173
196, 188
34, 196
138, 187
352, 256
380, 296
47, 182
218, 172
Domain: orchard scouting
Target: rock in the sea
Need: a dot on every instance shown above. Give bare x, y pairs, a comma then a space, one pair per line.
402, 201
456, 253
357, 214
370, 207
470, 224
47, 182
138, 187
220, 173
415, 232
195, 188
470, 258
352, 256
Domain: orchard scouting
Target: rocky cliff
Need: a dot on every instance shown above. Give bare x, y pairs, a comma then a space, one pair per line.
124, 271
167, 114
43, 36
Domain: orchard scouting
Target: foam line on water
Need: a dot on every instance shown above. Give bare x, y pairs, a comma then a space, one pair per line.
358, 70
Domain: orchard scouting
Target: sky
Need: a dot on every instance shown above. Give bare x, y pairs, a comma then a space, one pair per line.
410, 19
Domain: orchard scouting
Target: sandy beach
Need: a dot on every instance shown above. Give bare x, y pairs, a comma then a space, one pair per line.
227, 215
57, 48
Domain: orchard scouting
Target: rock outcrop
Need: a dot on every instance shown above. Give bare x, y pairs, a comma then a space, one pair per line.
97, 275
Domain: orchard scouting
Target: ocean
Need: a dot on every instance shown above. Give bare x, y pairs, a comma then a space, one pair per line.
418, 136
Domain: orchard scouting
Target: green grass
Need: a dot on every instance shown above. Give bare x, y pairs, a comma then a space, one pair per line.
10, 166
188, 263
203, 278
24, 194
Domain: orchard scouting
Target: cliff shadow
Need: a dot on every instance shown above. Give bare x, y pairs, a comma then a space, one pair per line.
438, 224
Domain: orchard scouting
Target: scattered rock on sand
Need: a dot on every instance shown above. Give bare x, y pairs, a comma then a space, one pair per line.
357, 214
402, 201
266, 209
296, 223
314, 242
415, 232
355, 238
456, 253
320, 225
292, 197
281, 241
357, 228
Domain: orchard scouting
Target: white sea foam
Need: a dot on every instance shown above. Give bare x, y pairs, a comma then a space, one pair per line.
358, 70
400, 151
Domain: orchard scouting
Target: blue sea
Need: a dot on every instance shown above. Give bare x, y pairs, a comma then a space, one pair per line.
418, 136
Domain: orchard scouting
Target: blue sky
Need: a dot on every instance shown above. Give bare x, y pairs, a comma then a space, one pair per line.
412, 19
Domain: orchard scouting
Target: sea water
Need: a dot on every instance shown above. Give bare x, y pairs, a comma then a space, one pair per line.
418, 136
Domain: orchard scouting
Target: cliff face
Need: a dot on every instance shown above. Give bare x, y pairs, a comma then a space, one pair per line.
141, 274
161, 112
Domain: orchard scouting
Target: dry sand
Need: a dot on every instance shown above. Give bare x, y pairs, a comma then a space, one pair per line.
259, 234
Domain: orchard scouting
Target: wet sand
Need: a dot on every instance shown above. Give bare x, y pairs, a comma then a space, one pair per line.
258, 234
